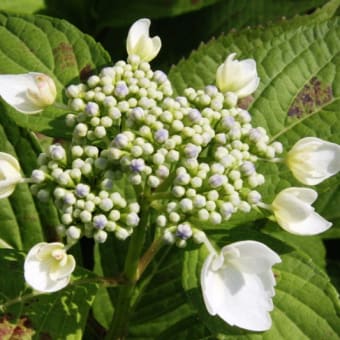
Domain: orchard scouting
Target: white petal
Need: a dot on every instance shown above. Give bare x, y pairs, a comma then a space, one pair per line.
13, 90
239, 77
306, 195
7, 187
314, 224
236, 292
6, 157
38, 278
139, 42
39, 264
139, 29
66, 269
294, 213
9, 174
249, 88
206, 272
239, 299
293, 204
312, 160
254, 257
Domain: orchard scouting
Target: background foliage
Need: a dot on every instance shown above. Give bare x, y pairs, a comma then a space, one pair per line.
296, 46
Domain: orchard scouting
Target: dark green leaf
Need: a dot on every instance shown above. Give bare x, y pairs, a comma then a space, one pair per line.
51, 46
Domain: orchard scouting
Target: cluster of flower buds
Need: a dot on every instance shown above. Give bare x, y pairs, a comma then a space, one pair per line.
85, 192
188, 161
193, 156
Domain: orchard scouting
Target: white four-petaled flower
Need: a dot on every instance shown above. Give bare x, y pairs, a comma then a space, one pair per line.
238, 284
313, 160
28, 93
139, 42
48, 268
238, 79
294, 213
10, 174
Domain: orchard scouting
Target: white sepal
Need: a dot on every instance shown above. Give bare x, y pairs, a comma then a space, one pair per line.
237, 77
139, 42
28, 93
10, 174
238, 284
312, 160
294, 213
48, 268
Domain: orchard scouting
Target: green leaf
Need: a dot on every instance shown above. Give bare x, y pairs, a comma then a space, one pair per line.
59, 315
51, 46
311, 246
21, 227
25, 221
222, 17
22, 6
236, 14
296, 308
161, 304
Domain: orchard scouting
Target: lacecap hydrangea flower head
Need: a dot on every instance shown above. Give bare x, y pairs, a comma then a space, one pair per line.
142, 157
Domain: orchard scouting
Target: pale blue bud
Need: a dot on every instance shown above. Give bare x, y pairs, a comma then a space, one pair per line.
137, 165
99, 221
92, 109
38, 176
57, 152
247, 168
217, 180
69, 198
192, 150
228, 122
161, 135
132, 219
184, 231
121, 140
82, 190
121, 90
162, 171
226, 209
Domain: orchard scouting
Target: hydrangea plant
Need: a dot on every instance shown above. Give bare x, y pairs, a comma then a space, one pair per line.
151, 173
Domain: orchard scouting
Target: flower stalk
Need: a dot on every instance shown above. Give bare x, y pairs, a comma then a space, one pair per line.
119, 324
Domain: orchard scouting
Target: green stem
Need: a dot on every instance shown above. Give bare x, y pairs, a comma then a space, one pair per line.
103, 281
119, 324
149, 255
18, 299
